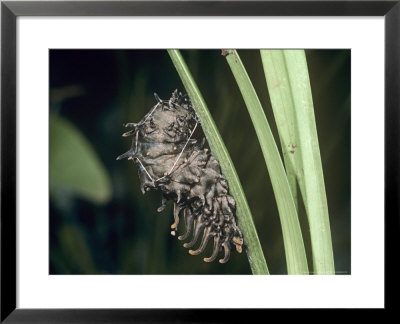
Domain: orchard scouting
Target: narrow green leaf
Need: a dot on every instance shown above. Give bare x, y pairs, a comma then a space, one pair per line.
293, 239
245, 220
292, 179
74, 165
280, 94
315, 197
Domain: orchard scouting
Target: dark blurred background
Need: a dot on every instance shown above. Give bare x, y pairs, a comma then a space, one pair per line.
100, 223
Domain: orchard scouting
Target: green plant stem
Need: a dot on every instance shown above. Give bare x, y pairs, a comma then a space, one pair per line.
315, 198
293, 239
280, 93
291, 175
245, 221
290, 92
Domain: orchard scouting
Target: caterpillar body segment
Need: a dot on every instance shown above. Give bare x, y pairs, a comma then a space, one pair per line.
169, 159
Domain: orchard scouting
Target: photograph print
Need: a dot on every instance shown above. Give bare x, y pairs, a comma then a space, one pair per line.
199, 161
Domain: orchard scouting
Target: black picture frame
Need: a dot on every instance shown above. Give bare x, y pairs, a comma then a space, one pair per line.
10, 10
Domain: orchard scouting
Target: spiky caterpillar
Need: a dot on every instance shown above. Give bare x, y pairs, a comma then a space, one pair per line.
170, 160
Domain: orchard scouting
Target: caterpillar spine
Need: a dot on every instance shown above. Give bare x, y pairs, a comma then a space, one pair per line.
171, 160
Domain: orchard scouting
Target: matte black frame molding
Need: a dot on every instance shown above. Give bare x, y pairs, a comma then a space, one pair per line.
10, 10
